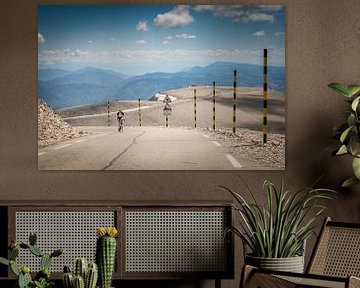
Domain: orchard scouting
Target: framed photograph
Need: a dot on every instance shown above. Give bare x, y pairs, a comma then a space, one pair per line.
161, 87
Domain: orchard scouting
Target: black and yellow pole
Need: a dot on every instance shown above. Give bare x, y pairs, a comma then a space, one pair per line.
194, 108
108, 113
234, 104
265, 108
167, 121
214, 105
139, 113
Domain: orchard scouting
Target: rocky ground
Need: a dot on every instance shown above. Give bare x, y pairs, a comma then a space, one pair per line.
51, 128
248, 144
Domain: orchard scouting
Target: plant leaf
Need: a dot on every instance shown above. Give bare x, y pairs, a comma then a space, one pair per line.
342, 150
349, 182
4, 261
353, 89
345, 134
340, 88
356, 167
355, 103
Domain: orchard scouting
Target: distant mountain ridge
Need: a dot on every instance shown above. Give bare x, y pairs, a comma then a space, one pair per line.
61, 88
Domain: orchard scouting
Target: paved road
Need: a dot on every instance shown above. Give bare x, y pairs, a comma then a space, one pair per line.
249, 114
139, 148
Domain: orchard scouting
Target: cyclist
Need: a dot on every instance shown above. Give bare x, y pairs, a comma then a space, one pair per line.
120, 119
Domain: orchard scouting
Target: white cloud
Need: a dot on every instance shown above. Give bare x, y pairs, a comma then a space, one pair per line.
41, 38
162, 56
90, 41
259, 33
179, 16
142, 41
270, 7
169, 37
165, 42
142, 26
112, 39
225, 11
259, 17
240, 12
279, 33
186, 36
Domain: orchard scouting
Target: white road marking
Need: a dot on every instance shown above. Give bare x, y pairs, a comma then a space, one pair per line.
233, 161
60, 147
216, 143
206, 136
81, 140
41, 153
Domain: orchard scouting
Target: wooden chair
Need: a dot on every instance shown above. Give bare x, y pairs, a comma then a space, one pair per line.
334, 263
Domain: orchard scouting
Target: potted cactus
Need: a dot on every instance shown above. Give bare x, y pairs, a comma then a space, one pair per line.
84, 275
106, 254
42, 278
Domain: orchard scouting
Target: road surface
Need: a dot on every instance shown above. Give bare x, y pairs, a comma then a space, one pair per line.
249, 114
140, 148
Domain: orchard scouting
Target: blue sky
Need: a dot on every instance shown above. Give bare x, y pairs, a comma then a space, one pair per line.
137, 39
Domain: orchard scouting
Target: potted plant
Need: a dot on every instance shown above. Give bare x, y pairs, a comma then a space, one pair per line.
42, 278
276, 233
348, 133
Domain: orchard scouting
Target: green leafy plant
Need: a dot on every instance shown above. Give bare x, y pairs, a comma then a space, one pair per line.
348, 132
42, 278
279, 229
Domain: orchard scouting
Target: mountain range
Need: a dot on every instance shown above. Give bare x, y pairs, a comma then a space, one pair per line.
62, 88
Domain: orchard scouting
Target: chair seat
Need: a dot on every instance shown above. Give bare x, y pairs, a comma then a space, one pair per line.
267, 279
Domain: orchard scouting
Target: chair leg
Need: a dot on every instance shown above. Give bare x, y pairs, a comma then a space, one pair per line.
246, 273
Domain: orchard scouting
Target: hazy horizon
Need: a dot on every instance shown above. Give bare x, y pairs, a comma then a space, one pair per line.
132, 75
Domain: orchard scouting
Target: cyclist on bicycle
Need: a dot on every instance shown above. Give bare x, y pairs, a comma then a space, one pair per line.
120, 119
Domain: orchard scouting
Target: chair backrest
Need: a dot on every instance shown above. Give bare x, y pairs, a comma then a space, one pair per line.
337, 251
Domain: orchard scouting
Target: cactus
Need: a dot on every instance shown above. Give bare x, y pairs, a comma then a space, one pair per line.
45, 261
42, 278
24, 277
14, 268
68, 280
13, 253
24, 280
106, 254
91, 276
79, 282
32, 239
67, 269
36, 251
80, 268
57, 252
90, 272
43, 274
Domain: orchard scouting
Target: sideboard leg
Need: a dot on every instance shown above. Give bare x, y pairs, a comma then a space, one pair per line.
217, 283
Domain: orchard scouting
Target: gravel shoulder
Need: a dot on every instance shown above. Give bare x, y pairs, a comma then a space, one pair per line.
248, 144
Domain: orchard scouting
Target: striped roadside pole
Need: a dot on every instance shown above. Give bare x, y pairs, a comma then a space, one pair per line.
265, 108
108, 113
234, 104
194, 108
166, 121
213, 105
139, 112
